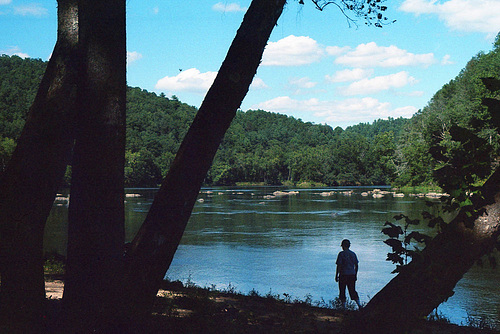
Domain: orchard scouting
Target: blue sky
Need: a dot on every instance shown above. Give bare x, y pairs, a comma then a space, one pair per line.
316, 66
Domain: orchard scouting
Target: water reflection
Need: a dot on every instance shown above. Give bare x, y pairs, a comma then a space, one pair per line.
288, 244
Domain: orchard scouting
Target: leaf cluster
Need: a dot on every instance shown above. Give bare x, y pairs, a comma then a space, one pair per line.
372, 11
400, 240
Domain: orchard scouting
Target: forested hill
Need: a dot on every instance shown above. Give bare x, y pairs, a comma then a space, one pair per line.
259, 146
457, 103
276, 149
264, 147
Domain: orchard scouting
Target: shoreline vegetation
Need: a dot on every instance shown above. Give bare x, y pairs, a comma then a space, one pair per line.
187, 308
270, 148
265, 148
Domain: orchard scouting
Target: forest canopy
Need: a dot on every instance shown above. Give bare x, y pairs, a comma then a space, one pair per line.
269, 148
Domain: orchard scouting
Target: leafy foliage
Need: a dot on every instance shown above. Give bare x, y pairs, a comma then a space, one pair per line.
460, 106
275, 149
19, 80
400, 241
155, 128
372, 11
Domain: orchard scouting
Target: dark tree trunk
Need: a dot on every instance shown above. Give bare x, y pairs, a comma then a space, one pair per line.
96, 212
429, 280
153, 248
29, 184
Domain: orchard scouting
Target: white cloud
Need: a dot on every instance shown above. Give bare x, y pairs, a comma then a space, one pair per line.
31, 10
228, 7
191, 80
337, 50
14, 51
292, 51
258, 83
299, 86
349, 75
464, 15
366, 109
446, 60
372, 55
378, 84
133, 56
344, 112
287, 105
302, 82
416, 93
194, 81
5, 2
156, 10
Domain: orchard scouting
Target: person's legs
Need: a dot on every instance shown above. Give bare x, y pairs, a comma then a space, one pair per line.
342, 286
351, 286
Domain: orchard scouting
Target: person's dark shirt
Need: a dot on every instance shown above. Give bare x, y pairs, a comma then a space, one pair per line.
347, 261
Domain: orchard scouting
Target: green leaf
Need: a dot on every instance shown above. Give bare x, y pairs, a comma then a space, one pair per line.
399, 217
418, 237
437, 221
412, 221
396, 245
394, 258
393, 231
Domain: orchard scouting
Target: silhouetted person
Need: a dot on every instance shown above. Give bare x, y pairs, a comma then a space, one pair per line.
347, 273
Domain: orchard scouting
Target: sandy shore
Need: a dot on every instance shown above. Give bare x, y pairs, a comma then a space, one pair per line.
54, 289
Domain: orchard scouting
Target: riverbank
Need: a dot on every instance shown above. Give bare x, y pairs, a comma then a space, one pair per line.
190, 309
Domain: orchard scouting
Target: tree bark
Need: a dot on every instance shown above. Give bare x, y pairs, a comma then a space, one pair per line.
429, 280
96, 219
30, 182
153, 248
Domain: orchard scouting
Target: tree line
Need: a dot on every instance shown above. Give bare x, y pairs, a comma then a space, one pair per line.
259, 147
269, 148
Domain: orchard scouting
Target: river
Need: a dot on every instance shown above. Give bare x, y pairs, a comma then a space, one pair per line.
247, 239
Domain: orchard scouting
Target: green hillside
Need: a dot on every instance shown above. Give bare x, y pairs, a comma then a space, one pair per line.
269, 148
456, 103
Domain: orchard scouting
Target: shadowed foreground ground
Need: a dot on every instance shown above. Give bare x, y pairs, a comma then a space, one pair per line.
181, 309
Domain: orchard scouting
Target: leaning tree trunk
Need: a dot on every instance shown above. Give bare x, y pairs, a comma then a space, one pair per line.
96, 212
29, 184
429, 280
153, 248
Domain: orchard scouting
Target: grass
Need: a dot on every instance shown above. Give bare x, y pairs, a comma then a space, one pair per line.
193, 309
54, 265
420, 189
310, 184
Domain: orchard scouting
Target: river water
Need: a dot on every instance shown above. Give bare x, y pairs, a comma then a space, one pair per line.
246, 239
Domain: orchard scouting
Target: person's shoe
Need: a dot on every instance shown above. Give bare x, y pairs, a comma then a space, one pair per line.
359, 304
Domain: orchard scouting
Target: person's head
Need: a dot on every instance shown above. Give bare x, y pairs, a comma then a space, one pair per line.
345, 244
